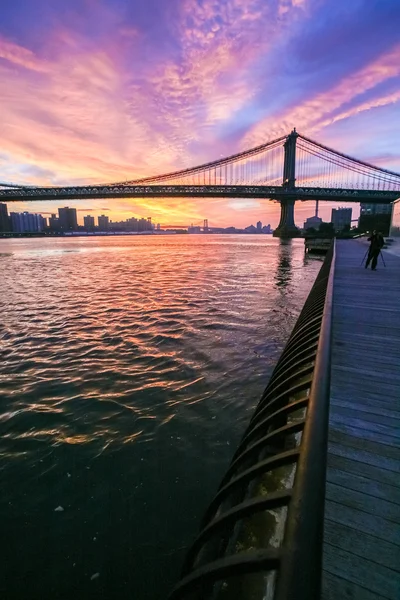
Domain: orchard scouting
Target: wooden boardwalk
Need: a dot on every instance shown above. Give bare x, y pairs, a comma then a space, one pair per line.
361, 558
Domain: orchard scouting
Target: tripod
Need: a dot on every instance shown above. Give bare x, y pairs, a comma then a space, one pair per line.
379, 255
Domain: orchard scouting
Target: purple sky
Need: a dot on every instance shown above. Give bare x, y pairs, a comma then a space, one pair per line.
106, 90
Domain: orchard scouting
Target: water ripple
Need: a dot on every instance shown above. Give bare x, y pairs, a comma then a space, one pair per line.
129, 371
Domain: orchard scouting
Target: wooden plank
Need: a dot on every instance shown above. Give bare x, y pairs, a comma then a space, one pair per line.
382, 452
337, 588
356, 422
362, 521
366, 408
369, 458
376, 378
362, 469
373, 361
366, 503
361, 572
365, 485
385, 395
361, 544
363, 438
365, 417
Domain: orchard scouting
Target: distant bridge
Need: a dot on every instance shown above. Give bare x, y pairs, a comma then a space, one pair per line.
287, 169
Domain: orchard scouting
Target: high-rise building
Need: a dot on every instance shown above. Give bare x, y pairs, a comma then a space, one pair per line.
341, 218
54, 223
67, 219
103, 222
259, 227
27, 222
88, 223
42, 223
4, 218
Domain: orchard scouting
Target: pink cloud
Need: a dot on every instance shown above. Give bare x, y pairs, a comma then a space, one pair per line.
22, 57
317, 112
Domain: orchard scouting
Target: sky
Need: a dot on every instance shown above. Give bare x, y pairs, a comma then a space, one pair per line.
95, 91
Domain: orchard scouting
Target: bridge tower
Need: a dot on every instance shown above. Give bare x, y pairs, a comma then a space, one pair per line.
205, 226
286, 227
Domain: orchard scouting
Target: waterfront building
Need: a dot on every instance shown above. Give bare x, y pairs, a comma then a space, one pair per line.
312, 222
341, 218
375, 216
395, 222
4, 218
259, 227
375, 209
103, 222
27, 222
54, 223
67, 219
88, 223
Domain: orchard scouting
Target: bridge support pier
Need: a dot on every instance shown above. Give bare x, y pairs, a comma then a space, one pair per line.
286, 227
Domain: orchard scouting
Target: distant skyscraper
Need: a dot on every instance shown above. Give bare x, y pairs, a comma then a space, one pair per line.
88, 223
54, 223
341, 218
4, 218
27, 222
259, 226
103, 222
67, 219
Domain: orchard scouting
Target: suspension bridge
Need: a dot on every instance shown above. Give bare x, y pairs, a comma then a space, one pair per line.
288, 169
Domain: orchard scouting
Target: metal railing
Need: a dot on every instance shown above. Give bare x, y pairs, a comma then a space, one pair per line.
261, 536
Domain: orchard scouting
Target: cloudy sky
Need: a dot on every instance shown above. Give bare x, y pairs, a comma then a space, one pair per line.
106, 90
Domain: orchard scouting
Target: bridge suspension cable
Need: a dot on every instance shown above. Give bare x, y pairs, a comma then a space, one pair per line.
247, 167
324, 167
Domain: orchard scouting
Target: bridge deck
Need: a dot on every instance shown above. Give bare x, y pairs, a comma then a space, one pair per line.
362, 511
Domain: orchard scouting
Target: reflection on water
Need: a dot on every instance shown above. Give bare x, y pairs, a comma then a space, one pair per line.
284, 267
129, 370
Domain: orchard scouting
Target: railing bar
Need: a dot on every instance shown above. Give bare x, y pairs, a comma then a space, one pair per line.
291, 428
264, 466
294, 366
307, 346
249, 507
263, 409
285, 410
276, 387
248, 562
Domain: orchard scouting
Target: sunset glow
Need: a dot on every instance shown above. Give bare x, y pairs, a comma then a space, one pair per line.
107, 90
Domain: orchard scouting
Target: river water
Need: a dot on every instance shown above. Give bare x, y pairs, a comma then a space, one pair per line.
130, 367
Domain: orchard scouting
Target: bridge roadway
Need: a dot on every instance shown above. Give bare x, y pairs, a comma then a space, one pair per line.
276, 192
361, 559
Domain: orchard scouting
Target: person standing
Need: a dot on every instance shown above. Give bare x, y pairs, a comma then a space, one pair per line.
376, 246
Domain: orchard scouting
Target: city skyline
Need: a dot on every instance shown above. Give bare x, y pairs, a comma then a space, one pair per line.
98, 91
66, 219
